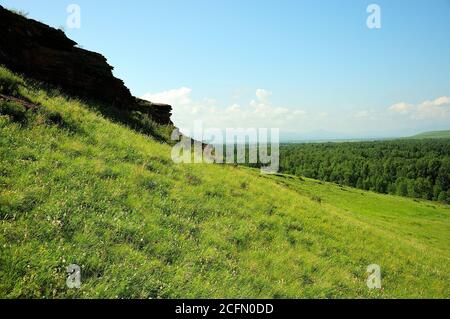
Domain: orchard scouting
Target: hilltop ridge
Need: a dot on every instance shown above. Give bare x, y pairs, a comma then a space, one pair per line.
432, 134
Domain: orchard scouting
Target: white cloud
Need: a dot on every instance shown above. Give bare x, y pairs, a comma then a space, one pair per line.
437, 108
263, 95
401, 107
258, 113
173, 97
440, 101
261, 112
434, 109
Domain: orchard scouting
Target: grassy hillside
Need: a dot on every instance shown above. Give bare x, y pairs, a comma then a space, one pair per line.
78, 188
436, 134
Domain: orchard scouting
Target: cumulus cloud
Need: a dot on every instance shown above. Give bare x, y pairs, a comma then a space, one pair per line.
263, 95
257, 113
440, 101
438, 108
401, 107
173, 97
430, 109
261, 112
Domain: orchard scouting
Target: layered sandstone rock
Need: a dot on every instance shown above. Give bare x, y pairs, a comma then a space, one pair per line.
46, 54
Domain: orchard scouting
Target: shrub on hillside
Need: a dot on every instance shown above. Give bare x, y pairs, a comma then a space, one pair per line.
9, 82
444, 197
316, 198
20, 12
15, 111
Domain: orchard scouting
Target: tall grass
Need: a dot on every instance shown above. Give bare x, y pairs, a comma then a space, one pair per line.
77, 188
9, 82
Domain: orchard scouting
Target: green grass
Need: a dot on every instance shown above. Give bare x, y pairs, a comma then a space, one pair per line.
9, 82
435, 134
76, 188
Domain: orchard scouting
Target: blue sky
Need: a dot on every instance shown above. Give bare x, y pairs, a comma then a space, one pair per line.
303, 66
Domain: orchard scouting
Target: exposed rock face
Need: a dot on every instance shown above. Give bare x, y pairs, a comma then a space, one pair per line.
159, 112
46, 54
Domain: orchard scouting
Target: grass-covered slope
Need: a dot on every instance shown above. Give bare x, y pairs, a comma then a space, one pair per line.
435, 134
76, 188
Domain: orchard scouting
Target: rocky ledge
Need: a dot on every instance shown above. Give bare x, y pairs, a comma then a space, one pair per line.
48, 55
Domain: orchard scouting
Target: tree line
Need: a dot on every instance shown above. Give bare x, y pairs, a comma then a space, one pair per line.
413, 168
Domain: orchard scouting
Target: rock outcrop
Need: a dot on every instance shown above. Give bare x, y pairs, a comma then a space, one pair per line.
159, 112
46, 54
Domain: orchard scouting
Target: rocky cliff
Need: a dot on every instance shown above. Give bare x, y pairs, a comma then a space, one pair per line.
46, 54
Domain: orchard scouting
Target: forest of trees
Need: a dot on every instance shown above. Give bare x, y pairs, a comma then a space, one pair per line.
413, 168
